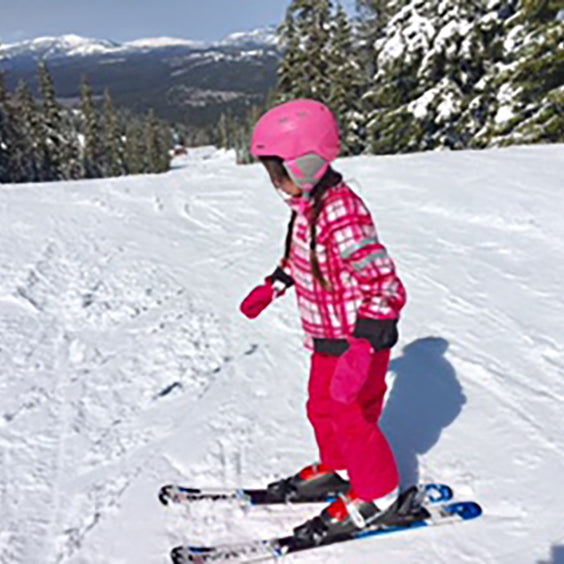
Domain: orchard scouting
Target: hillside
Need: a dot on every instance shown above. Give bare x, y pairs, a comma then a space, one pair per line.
125, 364
184, 81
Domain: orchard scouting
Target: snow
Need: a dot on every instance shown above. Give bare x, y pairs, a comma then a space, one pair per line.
410, 39
419, 107
159, 42
506, 99
504, 114
267, 36
448, 107
125, 363
513, 38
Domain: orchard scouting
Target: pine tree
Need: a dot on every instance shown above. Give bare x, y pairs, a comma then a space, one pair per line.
372, 16
431, 58
530, 104
166, 141
347, 85
224, 141
291, 76
313, 19
153, 144
114, 162
5, 173
135, 147
244, 133
321, 62
305, 36
93, 149
3, 93
25, 161
72, 166
50, 138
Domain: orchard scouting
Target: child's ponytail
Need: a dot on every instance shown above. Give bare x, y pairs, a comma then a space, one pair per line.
315, 268
288, 244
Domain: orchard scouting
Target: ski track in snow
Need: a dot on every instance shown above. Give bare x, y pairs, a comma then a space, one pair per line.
125, 364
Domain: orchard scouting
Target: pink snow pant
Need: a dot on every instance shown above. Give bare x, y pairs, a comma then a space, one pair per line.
348, 436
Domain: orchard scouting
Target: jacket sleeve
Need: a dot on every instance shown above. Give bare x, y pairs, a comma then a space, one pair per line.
354, 242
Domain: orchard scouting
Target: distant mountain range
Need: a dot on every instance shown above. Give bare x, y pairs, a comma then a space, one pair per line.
191, 82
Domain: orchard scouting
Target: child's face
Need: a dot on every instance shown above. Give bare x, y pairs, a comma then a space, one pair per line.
286, 185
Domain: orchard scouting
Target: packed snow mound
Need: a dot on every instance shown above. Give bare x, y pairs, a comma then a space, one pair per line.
125, 363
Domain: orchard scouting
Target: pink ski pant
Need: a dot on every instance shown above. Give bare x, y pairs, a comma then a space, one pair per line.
348, 436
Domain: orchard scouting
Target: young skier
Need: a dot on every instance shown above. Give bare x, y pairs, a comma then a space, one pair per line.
349, 298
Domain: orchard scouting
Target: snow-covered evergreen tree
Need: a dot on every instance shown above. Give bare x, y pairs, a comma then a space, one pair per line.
373, 16
158, 145
72, 151
47, 142
530, 104
347, 84
244, 134
306, 70
114, 161
153, 144
291, 75
431, 57
321, 62
93, 150
135, 151
24, 156
371, 20
50, 141
4, 133
224, 141
167, 143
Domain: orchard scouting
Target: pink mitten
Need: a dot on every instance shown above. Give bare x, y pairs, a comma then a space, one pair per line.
258, 299
352, 371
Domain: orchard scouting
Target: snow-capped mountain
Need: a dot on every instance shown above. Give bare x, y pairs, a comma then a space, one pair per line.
163, 42
181, 79
71, 45
52, 47
258, 37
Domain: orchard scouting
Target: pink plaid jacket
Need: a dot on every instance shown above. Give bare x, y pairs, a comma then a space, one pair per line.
363, 283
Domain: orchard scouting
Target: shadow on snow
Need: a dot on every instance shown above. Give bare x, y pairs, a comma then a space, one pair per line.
556, 556
425, 398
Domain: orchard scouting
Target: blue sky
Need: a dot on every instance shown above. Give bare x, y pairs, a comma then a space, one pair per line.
124, 20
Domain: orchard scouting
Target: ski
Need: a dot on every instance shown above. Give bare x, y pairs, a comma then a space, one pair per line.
420, 516
433, 493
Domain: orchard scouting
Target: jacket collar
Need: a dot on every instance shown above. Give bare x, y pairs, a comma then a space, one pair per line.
303, 204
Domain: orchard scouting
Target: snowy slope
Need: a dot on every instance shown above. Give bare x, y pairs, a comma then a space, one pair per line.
124, 363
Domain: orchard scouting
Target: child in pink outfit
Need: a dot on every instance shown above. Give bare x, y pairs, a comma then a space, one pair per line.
349, 297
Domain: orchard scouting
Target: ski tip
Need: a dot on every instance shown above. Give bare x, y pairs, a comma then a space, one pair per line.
466, 510
164, 496
185, 554
438, 492
179, 555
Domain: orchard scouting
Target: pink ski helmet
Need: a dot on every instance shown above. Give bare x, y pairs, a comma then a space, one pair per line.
304, 134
